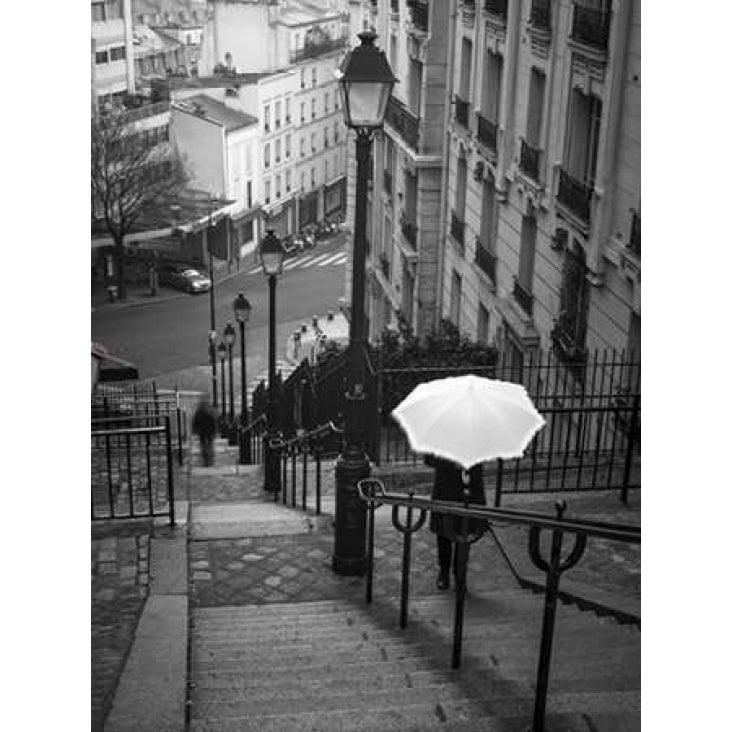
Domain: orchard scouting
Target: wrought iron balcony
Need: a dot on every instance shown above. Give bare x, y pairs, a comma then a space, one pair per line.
409, 231
566, 346
485, 259
524, 298
461, 111
529, 160
635, 235
487, 132
313, 50
420, 15
499, 8
573, 194
403, 122
590, 26
385, 265
457, 229
388, 186
541, 14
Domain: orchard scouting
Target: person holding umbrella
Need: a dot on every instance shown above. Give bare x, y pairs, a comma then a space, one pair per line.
453, 483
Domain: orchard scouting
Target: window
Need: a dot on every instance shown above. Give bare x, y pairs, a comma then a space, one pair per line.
584, 132
302, 113
466, 59
102, 57
278, 186
492, 75
249, 194
266, 118
312, 107
524, 281
312, 142
288, 181
278, 150
455, 298
335, 132
302, 78
118, 54
327, 177
287, 146
325, 137
278, 114
393, 47
326, 103
461, 184
266, 156
113, 9
535, 107
302, 181
415, 85
288, 118
267, 187
312, 177
570, 331
315, 76
487, 215
483, 320
302, 146
97, 13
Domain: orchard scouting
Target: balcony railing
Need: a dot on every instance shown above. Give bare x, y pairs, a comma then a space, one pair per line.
403, 122
461, 111
485, 259
313, 50
388, 187
541, 14
635, 235
457, 229
524, 298
591, 26
498, 8
573, 194
420, 15
409, 231
529, 160
487, 132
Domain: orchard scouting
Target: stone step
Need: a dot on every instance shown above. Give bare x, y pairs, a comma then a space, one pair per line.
423, 708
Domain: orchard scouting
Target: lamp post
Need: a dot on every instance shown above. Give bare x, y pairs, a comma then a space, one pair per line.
222, 357
366, 80
212, 359
242, 311
230, 340
271, 255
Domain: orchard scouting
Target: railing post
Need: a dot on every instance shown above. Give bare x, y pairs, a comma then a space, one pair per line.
631, 444
461, 563
169, 460
317, 480
499, 483
406, 557
304, 477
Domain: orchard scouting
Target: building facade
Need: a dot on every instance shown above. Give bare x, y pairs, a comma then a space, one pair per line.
537, 241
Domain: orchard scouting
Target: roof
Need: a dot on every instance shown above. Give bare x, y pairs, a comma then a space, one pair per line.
211, 109
217, 81
149, 41
299, 12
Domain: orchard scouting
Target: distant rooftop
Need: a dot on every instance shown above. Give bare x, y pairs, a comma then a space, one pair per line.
205, 106
217, 81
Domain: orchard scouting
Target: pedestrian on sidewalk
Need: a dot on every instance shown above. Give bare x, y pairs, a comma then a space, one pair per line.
453, 483
205, 420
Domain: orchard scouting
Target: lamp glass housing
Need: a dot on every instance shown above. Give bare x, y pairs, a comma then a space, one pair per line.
222, 350
242, 308
229, 335
271, 254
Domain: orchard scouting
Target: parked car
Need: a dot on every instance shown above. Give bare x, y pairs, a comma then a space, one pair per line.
183, 277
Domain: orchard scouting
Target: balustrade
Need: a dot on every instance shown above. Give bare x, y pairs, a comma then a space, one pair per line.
487, 132
529, 160
485, 259
523, 297
573, 194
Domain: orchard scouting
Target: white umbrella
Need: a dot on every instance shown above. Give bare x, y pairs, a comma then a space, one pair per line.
469, 419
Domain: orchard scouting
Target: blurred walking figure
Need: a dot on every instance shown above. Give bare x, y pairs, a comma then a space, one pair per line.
205, 420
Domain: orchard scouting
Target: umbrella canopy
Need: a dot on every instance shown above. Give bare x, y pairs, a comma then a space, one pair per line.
469, 419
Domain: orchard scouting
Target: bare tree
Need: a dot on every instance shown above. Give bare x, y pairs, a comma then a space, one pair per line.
131, 169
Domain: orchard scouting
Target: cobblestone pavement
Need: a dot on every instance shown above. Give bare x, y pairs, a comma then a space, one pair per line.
120, 577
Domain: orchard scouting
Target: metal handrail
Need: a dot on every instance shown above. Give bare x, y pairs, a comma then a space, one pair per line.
314, 434
371, 491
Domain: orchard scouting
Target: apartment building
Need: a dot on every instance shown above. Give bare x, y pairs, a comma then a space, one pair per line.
112, 59
309, 40
531, 239
543, 198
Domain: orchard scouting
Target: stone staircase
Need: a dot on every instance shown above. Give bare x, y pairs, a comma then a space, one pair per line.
340, 665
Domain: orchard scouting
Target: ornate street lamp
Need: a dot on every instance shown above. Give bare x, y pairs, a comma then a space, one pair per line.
271, 255
242, 311
366, 82
230, 340
222, 358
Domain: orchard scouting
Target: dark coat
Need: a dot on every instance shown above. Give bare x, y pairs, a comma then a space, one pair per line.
204, 420
448, 486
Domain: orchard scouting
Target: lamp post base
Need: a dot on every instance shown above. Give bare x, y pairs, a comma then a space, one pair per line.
349, 553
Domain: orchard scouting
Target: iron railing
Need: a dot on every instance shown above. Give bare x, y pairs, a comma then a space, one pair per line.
498, 8
575, 195
540, 14
487, 132
420, 15
457, 229
462, 108
318, 49
485, 259
635, 235
553, 564
322, 442
523, 297
529, 160
250, 441
591, 26
409, 231
403, 122
132, 468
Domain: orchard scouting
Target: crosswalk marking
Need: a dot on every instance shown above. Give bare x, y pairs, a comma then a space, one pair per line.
258, 268
331, 260
296, 262
317, 259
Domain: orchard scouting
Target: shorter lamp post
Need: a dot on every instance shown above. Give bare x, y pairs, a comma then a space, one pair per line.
229, 340
222, 358
271, 255
242, 311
